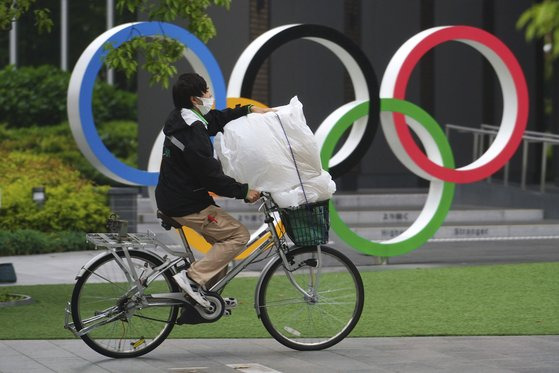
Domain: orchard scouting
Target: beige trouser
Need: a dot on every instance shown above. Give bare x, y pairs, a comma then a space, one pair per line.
228, 237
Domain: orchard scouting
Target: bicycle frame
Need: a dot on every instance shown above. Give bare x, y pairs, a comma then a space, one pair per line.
273, 240
138, 241
281, 248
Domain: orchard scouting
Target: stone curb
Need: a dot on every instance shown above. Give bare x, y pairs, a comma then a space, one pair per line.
26, 299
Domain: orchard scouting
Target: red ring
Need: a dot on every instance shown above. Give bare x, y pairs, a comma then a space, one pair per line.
402, 129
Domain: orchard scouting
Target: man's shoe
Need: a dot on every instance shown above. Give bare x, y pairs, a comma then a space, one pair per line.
186, 284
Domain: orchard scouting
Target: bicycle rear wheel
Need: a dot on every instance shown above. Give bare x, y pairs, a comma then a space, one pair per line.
328, 315
121, 327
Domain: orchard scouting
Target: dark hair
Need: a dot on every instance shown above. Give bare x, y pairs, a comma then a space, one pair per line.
187, 86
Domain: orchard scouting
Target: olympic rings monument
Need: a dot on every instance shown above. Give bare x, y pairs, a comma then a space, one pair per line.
386, 104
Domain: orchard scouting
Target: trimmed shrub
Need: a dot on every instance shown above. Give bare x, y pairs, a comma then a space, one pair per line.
120, 137
30, 95
22, 242
72, 203
29, 241
110, 103
37, 96
69, 241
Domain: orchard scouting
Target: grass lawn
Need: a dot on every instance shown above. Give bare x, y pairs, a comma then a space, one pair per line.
485, 300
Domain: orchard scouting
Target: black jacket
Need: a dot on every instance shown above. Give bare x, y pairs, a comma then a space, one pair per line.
188, 169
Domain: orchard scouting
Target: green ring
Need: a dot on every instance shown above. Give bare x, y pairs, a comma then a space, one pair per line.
415, 241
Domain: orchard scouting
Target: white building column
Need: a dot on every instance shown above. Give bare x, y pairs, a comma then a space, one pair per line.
13, 44
64, 35
110, 25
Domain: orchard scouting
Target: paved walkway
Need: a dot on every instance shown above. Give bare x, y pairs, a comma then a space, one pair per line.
421, 354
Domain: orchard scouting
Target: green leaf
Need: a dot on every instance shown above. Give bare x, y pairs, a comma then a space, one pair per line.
525, 18
43, 20
160, 52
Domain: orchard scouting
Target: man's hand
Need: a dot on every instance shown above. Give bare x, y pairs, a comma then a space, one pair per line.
252, 196
260, 110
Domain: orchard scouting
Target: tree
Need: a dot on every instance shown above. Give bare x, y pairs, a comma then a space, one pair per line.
159, 53
541, 21
14, 9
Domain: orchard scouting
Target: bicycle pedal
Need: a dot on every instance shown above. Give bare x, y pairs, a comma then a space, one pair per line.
230, 303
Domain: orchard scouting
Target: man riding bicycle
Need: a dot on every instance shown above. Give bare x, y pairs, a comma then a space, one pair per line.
189, 172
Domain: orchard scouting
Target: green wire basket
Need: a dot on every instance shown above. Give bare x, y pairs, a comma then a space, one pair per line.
308, 224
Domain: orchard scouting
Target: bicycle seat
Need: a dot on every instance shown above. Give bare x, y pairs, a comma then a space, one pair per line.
167, 222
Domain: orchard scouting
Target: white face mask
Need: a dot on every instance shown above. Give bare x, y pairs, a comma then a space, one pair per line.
206, 105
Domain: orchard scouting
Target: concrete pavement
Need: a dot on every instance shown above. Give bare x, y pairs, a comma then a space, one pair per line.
421, 354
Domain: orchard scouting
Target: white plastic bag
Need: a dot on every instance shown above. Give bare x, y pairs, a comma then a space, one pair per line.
254, 150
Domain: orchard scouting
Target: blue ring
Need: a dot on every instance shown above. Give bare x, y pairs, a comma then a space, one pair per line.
131, 174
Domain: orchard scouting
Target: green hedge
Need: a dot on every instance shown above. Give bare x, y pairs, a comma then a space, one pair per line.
73, 203
29, 241
57, 141
121, 138
37, 96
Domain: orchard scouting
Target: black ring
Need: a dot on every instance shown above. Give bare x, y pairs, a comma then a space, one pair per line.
334, 36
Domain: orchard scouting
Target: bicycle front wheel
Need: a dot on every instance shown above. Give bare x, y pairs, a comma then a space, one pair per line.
327, 310
105, 302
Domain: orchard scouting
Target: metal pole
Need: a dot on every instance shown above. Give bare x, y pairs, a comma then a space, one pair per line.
110, 25
491, 139
544, 167
481, 146
476, 141
506, 176
64, 35
13, 43
524, 164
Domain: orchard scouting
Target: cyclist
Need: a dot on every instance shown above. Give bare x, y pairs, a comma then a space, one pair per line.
189, 172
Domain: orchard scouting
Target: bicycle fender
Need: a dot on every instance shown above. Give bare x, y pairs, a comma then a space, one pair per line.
260, 280
108, 253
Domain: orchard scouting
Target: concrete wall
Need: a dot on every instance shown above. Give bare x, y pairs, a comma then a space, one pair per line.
386, 26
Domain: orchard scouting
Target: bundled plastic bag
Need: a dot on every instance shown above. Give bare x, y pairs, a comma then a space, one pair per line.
254, 150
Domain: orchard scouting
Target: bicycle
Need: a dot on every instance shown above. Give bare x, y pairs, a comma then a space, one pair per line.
125, 301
